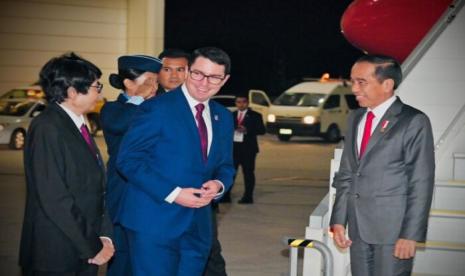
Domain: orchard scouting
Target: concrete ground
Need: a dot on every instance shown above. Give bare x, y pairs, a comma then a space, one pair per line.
291, 177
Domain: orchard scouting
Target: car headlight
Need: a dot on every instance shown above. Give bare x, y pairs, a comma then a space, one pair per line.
271, 118
309, 120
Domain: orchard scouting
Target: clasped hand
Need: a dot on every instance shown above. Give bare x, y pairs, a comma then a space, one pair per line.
197, 198
105, 254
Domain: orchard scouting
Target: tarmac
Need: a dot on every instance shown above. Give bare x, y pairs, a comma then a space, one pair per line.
292, 178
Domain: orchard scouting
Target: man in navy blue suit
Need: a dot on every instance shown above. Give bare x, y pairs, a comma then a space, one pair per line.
177, 157
137, 79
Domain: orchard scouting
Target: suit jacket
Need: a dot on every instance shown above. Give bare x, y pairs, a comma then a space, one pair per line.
253, 122
158, 155
387, 192
64, 214
115, 117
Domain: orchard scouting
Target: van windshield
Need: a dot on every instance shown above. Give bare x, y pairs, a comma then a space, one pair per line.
300, 99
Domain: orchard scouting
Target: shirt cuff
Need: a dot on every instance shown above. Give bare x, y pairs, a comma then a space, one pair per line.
136, 100
108, 239
221, 192
173, 195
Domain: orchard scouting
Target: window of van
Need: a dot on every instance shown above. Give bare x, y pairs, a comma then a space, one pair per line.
332, 102
351, 101
259, 99
300, 99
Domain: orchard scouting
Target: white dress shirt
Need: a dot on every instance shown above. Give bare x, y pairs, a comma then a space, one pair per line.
208, 122
379, 113
241, 115
78, 120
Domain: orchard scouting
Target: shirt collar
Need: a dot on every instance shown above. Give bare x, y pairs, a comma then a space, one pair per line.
382, 108
192, 102
125, 95
78, 120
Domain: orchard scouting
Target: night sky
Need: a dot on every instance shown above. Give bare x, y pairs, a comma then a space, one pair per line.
273, 44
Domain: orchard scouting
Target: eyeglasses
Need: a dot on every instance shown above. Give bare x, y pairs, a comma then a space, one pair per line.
99, 86
212, 79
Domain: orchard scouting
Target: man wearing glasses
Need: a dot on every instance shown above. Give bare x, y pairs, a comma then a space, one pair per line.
66, 229
176, 165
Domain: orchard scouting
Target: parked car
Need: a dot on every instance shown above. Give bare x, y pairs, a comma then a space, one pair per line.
35, 92
15, 117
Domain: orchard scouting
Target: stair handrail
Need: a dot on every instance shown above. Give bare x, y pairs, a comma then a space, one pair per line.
446, 135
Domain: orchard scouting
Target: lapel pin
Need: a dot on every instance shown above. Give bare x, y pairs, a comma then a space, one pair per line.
384, 125
215, 117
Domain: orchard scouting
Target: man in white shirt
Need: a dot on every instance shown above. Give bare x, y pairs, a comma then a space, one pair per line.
66, 227
384, 185
177, 158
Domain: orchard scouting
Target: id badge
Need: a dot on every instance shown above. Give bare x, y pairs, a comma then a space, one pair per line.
238, 136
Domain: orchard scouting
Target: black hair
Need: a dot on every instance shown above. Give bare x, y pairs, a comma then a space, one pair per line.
386, 68
214, 54
67, 70
242, 93
174, 53
117, 80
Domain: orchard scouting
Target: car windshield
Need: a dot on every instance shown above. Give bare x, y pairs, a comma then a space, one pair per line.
15, 108
300, 99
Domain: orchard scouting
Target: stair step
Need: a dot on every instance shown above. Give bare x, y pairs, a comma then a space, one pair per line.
447, 226
441, 245
458, 169
449, 195
440, 258
447, 213
451, 182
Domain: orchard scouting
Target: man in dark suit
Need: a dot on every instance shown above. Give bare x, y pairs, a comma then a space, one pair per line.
384, 185
137, 80
248, 124
176, 165
66, 230
173, 72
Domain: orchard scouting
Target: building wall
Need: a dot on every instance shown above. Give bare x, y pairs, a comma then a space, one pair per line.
33, 31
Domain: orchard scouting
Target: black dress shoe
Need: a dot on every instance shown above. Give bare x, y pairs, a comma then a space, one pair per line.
245, 201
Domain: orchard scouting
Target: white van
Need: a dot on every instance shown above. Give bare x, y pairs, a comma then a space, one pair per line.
311, 108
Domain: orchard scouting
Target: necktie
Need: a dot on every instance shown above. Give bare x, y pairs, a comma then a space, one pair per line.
240, 117
202, 128
86, 135
366, 133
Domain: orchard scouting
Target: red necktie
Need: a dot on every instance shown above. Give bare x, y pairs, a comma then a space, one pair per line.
85, 133
366, 133
202, 128
240, 117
